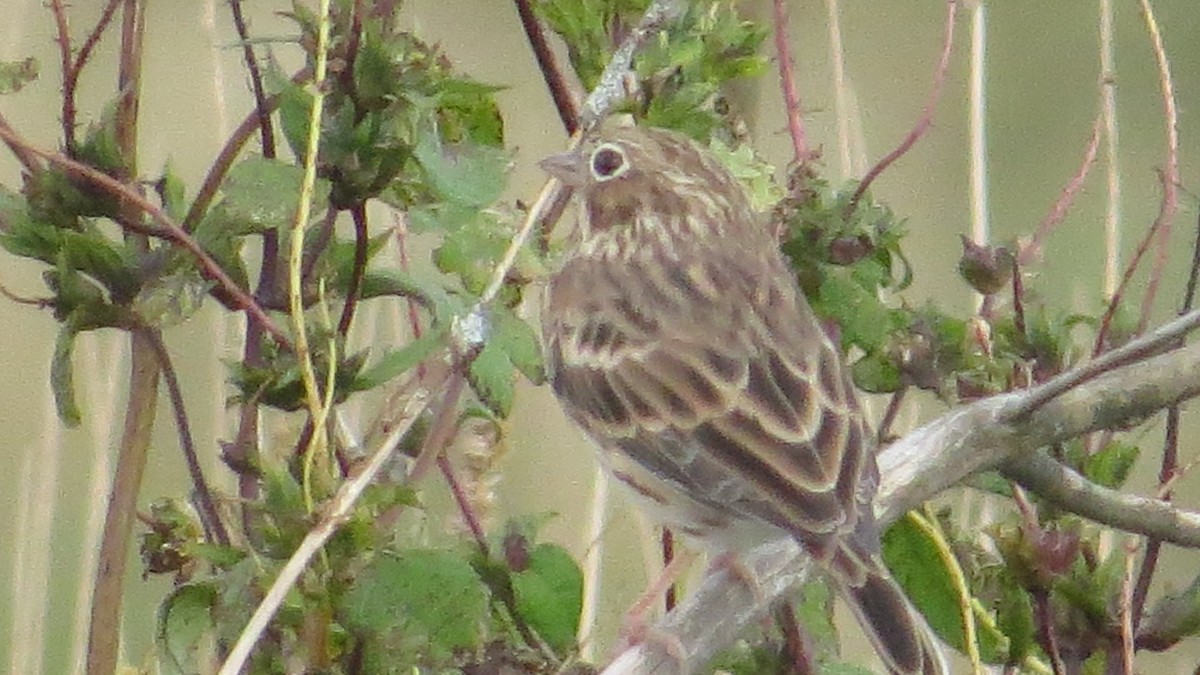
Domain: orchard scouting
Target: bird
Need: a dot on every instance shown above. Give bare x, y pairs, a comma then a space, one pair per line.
677, 338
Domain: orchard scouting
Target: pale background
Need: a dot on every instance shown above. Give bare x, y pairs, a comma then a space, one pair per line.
1042, 96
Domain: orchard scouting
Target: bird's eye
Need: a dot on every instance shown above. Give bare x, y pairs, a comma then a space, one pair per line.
608, 162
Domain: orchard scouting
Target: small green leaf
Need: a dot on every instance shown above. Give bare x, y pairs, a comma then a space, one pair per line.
464, 174
433, 596
184, 618
172, 192
815, 613
491, 376
1014, 617
14, 75
295, 112
519, 342
1110, 466
62, 375
877, 374
94, 254
260, 194
864, 319
172, 298
396, 362
549, 595
427, 291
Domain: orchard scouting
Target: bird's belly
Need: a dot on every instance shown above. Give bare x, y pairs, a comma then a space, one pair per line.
711, 525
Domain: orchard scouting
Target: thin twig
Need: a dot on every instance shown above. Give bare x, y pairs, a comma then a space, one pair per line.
564, 102
261, 109
104, 620
312, 391
40, 303
1170, 202
787, 83
1030, 252
358, 214
62, 38
926, 118
889, 416
841, 93
167, 229
1112, 160
210, 517
1161, 228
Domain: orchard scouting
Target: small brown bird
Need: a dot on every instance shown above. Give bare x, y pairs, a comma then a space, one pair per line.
676, 336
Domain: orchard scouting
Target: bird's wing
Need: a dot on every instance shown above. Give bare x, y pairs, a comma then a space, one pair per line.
719, 380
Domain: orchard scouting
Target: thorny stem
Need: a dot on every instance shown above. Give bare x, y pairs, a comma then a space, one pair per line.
261, 110
243, 452
787, 82
167, 229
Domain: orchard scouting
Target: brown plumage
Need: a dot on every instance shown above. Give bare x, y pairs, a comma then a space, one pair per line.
677, 338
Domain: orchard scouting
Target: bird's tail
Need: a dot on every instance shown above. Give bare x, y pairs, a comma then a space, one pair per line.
899, 635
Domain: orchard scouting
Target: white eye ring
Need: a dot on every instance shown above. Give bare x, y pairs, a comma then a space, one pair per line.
608, 161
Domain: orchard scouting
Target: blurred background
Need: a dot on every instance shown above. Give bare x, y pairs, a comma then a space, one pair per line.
1042, 94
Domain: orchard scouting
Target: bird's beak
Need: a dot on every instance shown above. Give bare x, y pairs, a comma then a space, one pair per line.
569, 167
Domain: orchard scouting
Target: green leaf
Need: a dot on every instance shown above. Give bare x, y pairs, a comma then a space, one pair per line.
815, 613
172, 298
864, 320
433, 596
396, 362
184, 618
260, 194
223, 242
1110, 466
21, 235
14, 75
549, 595
877, 374
429, 292
295, 112
491, 376
519, 342
62, 375
917, 566
464, 174
94, 254
1014, 617
172, 192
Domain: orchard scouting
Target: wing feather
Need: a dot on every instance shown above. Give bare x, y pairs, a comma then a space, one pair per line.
752, 413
